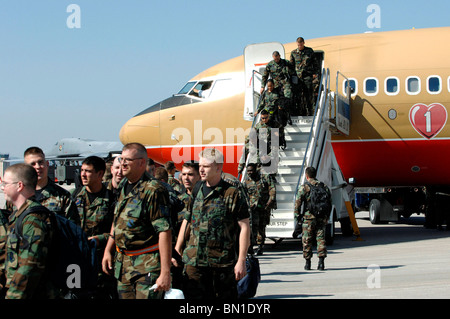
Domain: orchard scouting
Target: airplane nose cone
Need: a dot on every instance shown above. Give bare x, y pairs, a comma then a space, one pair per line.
123, 134
131, 131
142, 129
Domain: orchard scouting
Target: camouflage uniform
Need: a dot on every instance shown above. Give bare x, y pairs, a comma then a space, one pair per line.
305, 65
139, 217
271, 102
176, 184
185, 198
115, 191
4, 216
280, 73
265, 148
56, 199
177, 272
247, 150
96, 220
312, 226
211, 250
260, 191
26, 261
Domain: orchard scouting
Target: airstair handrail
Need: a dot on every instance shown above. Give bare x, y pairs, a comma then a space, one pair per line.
319, 113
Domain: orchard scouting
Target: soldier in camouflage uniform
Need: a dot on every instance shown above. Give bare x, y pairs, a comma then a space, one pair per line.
172, 181
307, 68
141, 232
312, 227
249, 150
215, 216
268, 137
280, 72
189, 177
116, 177
27, 259
50, 195
4, 216
271, 101
262, 197
95, 205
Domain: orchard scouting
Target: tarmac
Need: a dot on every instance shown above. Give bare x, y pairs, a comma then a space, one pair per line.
392, 261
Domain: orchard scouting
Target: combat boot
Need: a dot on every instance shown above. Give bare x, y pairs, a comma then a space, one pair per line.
321, 265
308, 264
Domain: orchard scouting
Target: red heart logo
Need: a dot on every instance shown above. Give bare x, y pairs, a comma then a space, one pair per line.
428, 120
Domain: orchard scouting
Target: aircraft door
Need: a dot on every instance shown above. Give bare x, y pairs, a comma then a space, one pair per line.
343, 104
256, 57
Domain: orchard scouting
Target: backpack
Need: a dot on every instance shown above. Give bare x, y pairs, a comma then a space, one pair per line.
70, 248
319, 203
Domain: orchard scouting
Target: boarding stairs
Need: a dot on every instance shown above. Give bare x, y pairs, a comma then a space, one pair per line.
308, 143
289, 169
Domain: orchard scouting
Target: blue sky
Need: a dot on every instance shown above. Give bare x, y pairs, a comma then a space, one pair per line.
86, 82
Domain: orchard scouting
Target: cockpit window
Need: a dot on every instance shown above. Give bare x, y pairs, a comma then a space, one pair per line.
222, 89
200, 89
187, 88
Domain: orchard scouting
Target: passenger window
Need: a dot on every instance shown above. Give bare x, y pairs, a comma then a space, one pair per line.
413, 85
353, 86
434, 84
371, 86
392, 86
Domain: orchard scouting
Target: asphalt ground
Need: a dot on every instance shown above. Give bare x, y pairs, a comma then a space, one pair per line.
391, 261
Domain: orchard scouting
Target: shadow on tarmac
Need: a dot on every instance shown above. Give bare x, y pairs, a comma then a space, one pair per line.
405, 230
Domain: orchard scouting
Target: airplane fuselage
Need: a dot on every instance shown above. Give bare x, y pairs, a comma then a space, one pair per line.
398, 134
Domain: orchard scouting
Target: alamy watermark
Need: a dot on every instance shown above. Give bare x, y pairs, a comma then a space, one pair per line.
74, 19
374, 279
374, 19
74, 279
261, 145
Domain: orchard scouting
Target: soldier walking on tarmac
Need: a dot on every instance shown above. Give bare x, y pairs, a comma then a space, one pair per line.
314, 224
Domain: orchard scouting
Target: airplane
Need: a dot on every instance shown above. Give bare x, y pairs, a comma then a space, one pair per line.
74, 147
67, 154
396, 136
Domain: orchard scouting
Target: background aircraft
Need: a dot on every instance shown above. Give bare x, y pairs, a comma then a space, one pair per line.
79, 147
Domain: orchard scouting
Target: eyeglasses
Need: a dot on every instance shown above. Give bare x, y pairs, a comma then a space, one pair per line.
126, 160
4, 184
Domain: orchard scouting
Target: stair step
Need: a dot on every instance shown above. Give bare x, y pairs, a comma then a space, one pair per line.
297, 138
289, 153
289, 170
287, 206
287, 178
291, 187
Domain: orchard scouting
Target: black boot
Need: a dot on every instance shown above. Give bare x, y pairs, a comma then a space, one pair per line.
321, 265
308, 264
